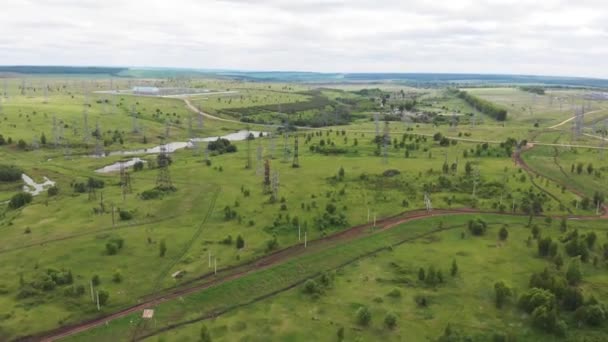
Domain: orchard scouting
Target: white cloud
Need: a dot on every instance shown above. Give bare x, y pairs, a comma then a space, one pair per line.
555, 37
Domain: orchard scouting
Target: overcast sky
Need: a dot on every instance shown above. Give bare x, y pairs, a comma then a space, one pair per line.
548, 37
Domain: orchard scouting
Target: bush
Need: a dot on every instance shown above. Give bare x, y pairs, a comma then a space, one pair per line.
19, 200
573, 274
502, 292
52, 191
395, 293
104, 296
117, 277
421, 301
151, 194
477, 227
26, 291
364, 316
111, 249
125, 215
10, 173
503, 234
593, 315
138, 166
240, 242
95, 183
311, 287
390, 321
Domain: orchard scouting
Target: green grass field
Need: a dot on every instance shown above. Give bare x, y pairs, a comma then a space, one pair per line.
345, 178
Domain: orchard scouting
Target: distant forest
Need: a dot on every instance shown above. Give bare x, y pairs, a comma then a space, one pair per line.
64, 70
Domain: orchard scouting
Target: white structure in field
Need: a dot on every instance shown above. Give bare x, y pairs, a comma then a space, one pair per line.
141, 90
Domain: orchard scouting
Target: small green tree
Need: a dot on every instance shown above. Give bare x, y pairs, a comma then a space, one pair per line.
390, 321
240, 242
311, 287
502, 292
341, 173
573, 274
340, 334
205, 336
421, 274
104, 296
563, 225
162, 248
454, 269
503, 234
364, 316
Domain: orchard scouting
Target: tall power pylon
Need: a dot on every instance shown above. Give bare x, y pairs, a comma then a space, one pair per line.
296, 157
163, 179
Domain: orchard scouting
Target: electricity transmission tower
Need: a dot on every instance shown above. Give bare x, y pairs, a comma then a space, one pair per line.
296, 158
259, 154
135, 128
386, 140
248, 165
266, 183
98, 141
163, 179
85, 125
56, 138
377, 123
275, 185
125, 180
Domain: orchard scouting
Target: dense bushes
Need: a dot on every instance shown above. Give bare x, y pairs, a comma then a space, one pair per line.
221, 146
477, 227
483, 106
19, 200
10, 173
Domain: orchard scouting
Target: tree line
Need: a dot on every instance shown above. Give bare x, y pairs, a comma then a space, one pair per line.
484, 106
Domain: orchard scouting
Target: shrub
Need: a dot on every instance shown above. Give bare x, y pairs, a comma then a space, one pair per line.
111, 249
364, 316
311, 287
503, 234
117, 277
19, 200
477, 227
138, 166
125, 215
10, 173
573, 274
104, 296
421, 301
240, 242
162, 248
395, 293
151, 194
594, 314
52, 191
502, 292
390, 321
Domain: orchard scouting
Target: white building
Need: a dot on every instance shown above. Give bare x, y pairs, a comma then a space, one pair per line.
140, 90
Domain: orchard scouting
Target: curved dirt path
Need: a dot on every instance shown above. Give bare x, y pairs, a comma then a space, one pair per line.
574, 117
521, 163
238, 271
